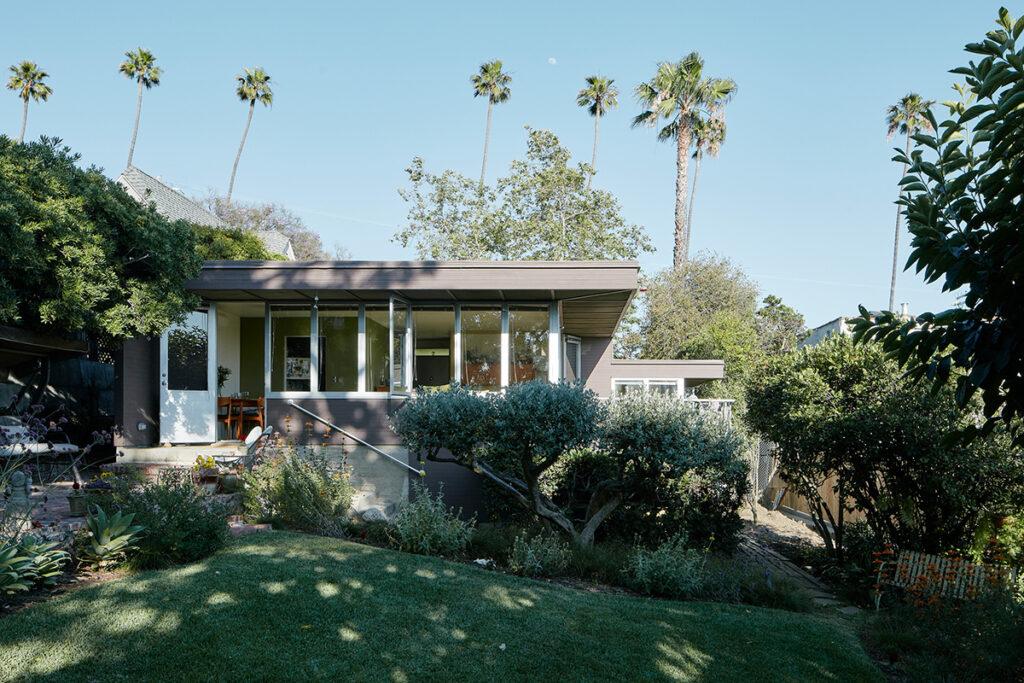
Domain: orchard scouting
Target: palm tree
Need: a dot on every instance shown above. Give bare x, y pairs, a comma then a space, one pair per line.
708, 138
493, 83
253, 87
680, 93
905, 117
599, 96
27, 81
139, 65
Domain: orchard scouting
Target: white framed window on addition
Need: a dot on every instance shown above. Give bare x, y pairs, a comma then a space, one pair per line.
668, 387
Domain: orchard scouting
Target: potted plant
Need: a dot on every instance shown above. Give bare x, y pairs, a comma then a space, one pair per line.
207, 474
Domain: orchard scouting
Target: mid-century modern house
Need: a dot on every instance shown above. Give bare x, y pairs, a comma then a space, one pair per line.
349, 341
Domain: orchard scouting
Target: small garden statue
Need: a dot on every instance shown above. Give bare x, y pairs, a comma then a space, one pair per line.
21, 490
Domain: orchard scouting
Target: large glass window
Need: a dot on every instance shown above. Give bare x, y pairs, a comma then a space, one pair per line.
399, 341
377, 372
187, 350
528, 342
290, 358
434, 345
481, 347
339, 357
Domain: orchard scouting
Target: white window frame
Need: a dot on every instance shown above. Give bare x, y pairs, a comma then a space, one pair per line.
555, 370
647, 381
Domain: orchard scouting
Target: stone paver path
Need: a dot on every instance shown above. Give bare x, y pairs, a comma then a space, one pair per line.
783, 567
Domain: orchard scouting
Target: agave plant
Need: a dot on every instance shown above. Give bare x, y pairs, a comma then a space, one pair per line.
47, 559
15, 570
110, 537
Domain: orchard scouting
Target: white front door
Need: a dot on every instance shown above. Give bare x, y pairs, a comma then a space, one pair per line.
188, 380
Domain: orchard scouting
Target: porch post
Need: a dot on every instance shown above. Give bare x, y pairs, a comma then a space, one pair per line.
361, 351
267, 353
506, 351
554, 345
457, 346
211, 362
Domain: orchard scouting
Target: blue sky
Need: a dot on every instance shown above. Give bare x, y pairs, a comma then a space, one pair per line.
801, 196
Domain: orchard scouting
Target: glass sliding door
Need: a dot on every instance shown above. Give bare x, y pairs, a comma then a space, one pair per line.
433, 346
378, 348
339, 356
481, 347
290, 361
528, 329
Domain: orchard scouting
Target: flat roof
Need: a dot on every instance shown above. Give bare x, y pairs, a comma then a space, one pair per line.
595, 294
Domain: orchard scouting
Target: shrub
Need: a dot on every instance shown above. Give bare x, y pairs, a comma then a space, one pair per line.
427, 526
491, 541
304, 492
738, 580
15, 569
182, 523
541, 555
672, 570
601, 562
108, 538
46, 559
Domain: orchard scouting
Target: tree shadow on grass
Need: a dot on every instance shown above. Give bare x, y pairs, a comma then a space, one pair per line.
287, 606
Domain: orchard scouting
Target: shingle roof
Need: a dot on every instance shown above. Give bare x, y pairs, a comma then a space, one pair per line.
169, 202
173, 205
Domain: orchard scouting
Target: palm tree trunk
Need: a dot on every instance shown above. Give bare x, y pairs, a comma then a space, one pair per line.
245, 133
487, 139
896, 239
135, 130
24, 121
693, 193
593, 155
682, 168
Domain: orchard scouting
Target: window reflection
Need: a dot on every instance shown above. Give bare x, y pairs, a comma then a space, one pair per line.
481, 347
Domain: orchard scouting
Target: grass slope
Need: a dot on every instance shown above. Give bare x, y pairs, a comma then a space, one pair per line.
280, 605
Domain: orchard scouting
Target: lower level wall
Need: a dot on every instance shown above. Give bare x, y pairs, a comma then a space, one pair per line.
369, 420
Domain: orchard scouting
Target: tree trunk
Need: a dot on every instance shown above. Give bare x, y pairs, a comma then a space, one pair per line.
487, 140
682, 168
135, 130
593, 155
896, 238
24, 121
245, 133
689, 212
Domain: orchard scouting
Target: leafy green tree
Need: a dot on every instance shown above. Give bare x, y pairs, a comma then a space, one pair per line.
779, 327
598, 97
844, 418
906, 117
306, 242
679, 93
230, 244
962, 199
80, 254
253, 86
542, 210
27, 80
708, 138
494, 84
140, 66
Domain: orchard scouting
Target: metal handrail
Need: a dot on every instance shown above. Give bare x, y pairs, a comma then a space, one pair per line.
331, 425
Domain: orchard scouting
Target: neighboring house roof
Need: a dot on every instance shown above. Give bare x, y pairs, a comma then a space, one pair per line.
820, 333
175, 206
168, 202
277, 243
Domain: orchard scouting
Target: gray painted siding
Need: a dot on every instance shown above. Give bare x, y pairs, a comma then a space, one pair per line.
137, 392
599, 367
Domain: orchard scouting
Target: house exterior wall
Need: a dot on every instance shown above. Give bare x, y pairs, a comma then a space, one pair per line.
599, 367
137, 393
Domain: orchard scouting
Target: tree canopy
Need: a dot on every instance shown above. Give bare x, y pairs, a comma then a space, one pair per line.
542, 210
962, 199
843, 417
80, 254
255, 216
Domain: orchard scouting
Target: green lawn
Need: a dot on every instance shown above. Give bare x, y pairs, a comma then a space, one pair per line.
280, 605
